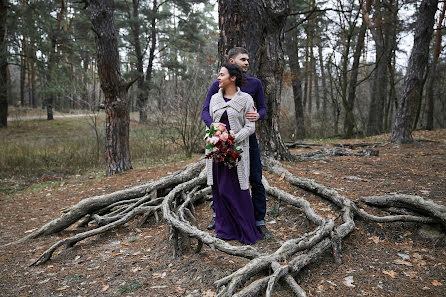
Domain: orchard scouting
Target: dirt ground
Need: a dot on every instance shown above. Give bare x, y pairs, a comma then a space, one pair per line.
394, 259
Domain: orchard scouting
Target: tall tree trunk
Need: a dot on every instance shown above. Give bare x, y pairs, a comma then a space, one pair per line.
3, 65
152, 44
383, 20
51, 99
296, 81
413, 80
117, 123
306, 69
324, 86
258, 26
22, 73
334, 102
349, 122
141, 98
433, 78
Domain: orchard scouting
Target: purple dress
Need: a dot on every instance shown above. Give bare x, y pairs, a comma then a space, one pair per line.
233, 206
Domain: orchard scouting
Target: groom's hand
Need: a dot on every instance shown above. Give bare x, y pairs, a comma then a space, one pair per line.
252, 116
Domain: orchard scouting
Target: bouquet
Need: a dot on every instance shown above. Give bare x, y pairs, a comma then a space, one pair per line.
221, 144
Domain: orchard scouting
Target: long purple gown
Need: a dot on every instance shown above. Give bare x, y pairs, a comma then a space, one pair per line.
233, 206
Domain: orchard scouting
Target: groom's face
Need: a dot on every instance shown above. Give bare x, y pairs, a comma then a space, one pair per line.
242, 61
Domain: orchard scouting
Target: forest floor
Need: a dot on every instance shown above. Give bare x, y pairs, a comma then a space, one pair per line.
394, 259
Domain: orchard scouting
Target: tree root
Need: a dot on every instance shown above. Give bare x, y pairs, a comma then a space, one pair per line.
93, 204
435, 212
175, 196
330, 152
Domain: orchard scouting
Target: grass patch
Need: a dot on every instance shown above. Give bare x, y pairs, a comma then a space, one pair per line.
128, 287
67, 146
8, 190
40, 186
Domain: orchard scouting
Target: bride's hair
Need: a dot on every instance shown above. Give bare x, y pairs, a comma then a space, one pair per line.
234, 70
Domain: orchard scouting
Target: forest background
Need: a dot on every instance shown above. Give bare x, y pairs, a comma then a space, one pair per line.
343, 76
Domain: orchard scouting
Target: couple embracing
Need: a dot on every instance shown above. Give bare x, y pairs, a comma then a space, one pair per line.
236, 101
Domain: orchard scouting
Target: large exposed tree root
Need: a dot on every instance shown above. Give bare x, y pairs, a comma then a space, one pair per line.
175, 196
325, 152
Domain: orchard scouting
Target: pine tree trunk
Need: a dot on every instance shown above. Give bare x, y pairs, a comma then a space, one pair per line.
258, 26
296, 81
381, 32
413, 80
433, 78
349, 122
22, 74
141, 98
117, 153
3, 65
324, 87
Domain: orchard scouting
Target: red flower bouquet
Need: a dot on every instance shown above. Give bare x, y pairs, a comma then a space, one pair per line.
221, 144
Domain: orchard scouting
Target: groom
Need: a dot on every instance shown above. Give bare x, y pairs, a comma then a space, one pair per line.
253, 86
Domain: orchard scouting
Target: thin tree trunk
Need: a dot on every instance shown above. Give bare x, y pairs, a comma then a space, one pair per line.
334, 102
152, 44
141, 98
349, 122
3, 65
383, 20
433, 78
306, 70
324, 86
117, 152
23, 62
51, 99
413, 80
296, 81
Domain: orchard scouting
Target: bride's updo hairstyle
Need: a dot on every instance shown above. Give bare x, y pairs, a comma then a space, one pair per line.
234, 70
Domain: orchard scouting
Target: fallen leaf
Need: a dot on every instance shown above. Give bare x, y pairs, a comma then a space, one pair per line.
348, 281
391, 273
209, 293
282, 176
404, 256
410, 273
375, 239
436, 283
62, 288
417, 256
105, 288
136, 269
402, 262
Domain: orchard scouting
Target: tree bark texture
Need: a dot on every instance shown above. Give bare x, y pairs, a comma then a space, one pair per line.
433, 77
258, 26
349, 122
141, 94
324, 85
380, 82
152, 44
117, 152
413, 80
296, 81
3, 66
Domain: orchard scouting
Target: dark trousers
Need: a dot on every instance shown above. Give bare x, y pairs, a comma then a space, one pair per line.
255, 179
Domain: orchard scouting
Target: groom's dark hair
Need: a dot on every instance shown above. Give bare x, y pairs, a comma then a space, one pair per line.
234, 52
